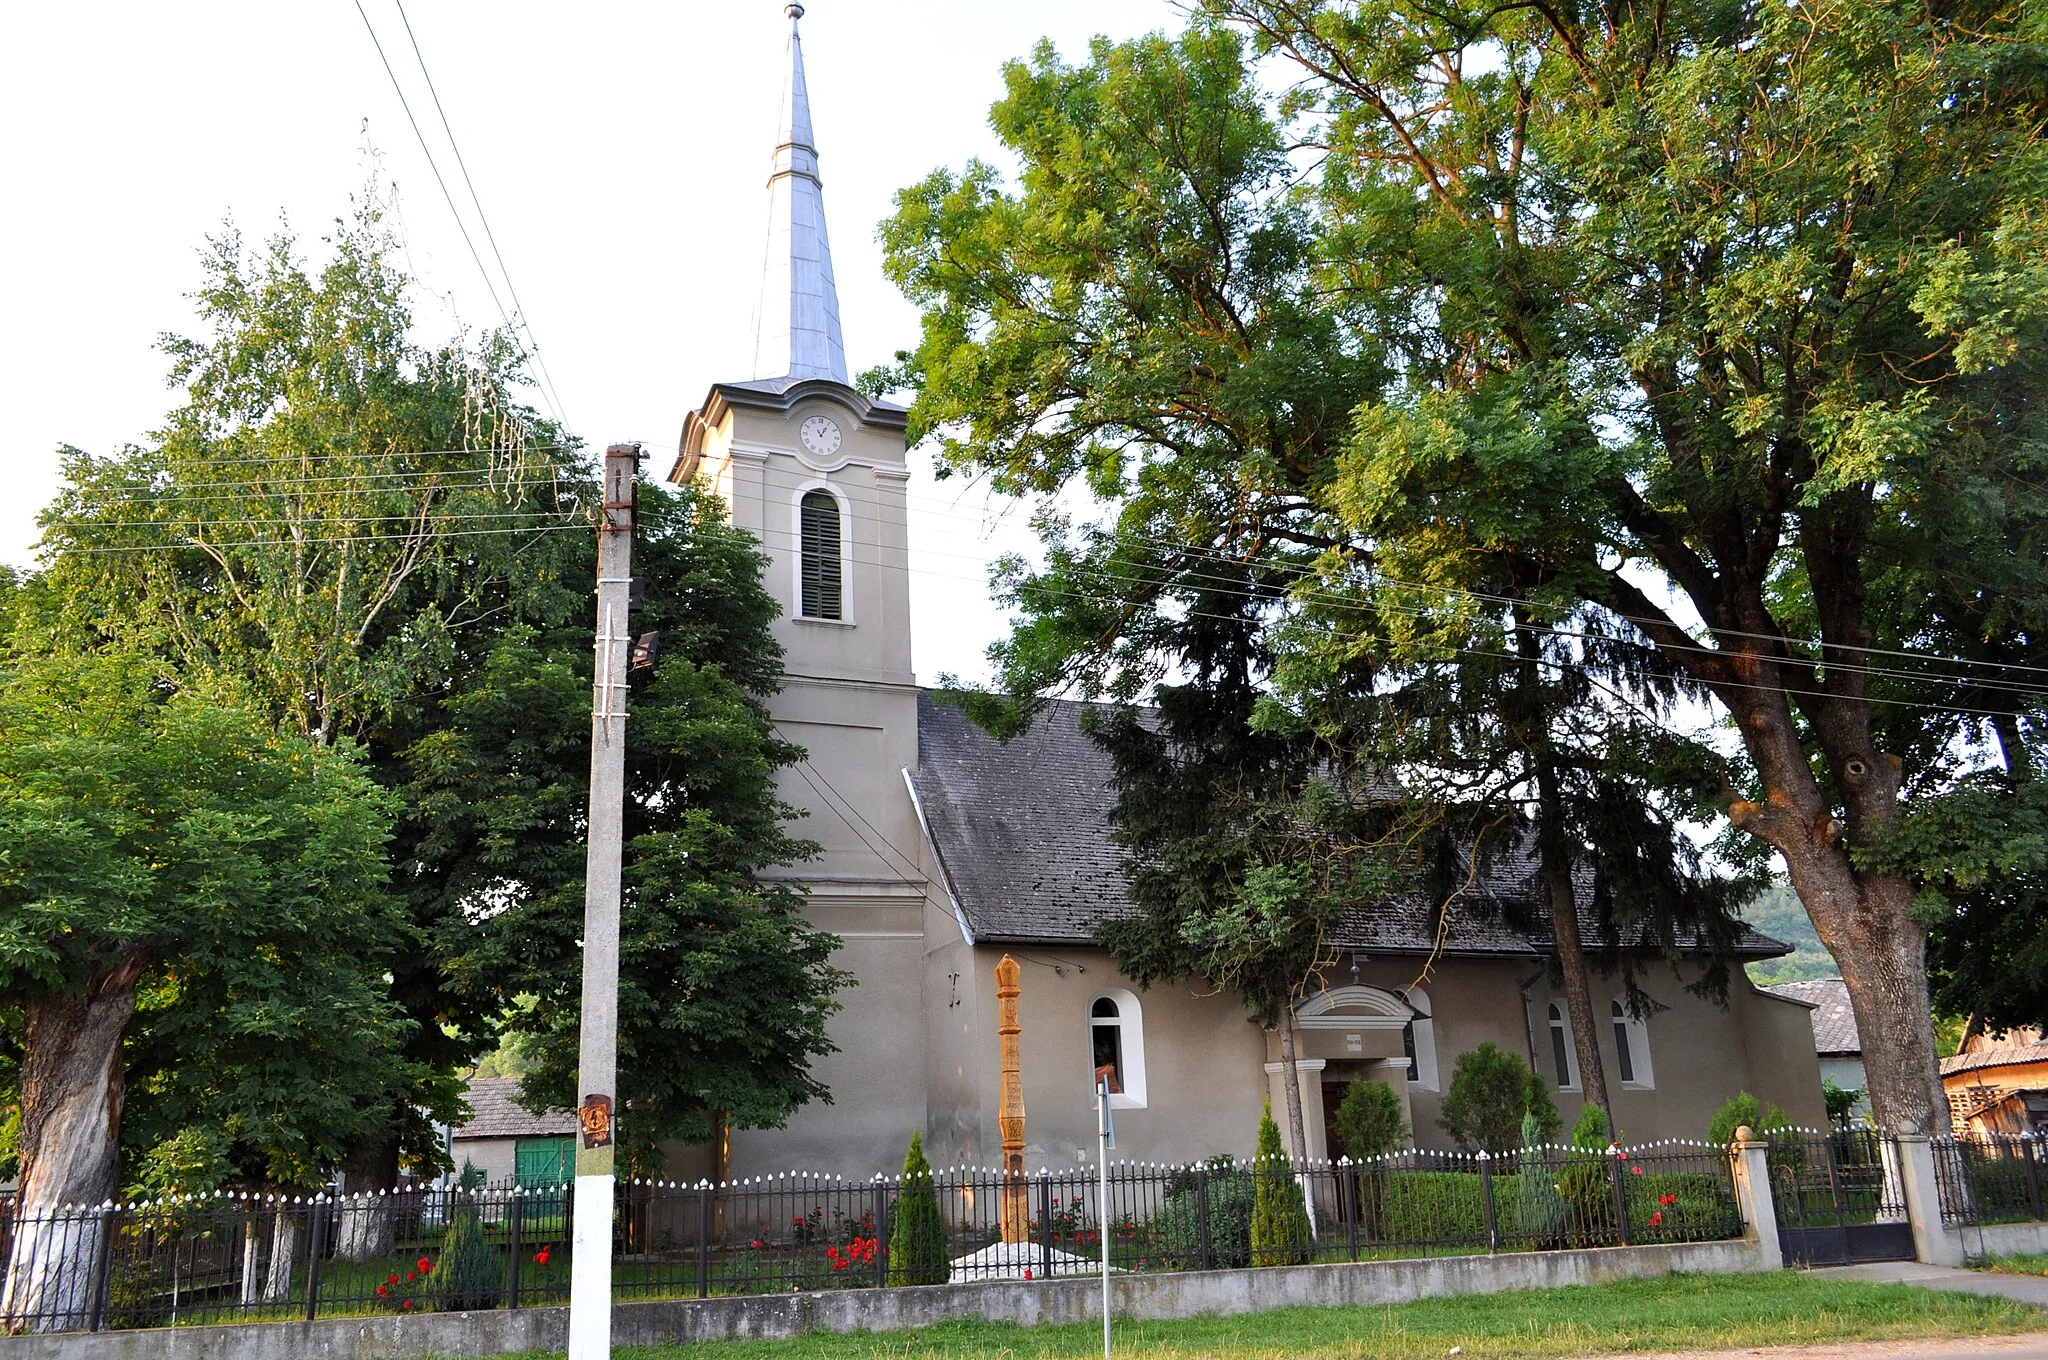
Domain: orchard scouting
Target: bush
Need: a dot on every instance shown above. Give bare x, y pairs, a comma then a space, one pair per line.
1744, 1108
917, 1239
1279, 1218
1491, 1091
1539, 1208
1177, 1227
1368, 1122
1841, 1102
470, 1275
1585, 1181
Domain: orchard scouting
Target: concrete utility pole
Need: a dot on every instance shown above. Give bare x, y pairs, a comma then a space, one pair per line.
590, 1264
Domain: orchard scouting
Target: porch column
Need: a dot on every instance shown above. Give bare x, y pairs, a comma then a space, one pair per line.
1310, 1075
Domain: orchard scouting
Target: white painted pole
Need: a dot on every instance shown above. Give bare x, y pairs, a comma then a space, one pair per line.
1105, 1133
590, 1262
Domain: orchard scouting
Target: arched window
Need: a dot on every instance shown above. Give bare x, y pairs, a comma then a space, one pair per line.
1418, 1042
822, 570
1632, 1048
1561, 1050
1116, 1046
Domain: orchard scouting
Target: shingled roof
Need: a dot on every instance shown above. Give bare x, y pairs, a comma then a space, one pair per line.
495, 1112
1834, 1019
1022, 835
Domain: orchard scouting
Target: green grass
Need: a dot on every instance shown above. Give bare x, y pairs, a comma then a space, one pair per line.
1675, 1313
2014, 1263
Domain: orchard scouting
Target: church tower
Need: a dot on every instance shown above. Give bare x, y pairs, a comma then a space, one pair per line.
816, 472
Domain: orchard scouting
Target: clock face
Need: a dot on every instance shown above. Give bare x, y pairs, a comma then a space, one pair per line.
820, 436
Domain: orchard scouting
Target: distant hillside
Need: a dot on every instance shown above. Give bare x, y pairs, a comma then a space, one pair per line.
1777, 913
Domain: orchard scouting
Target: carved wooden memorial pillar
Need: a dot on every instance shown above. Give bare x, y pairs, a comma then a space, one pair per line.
1010, 1119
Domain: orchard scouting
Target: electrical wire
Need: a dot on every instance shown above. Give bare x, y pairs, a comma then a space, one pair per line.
434, 165
539, 360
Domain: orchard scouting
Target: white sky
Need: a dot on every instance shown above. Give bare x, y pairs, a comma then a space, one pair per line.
619, 148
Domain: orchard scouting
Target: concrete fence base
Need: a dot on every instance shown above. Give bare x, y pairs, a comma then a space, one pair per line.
779, 1316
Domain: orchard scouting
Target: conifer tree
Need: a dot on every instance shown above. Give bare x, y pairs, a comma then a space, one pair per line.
917, 1237
1280, 1231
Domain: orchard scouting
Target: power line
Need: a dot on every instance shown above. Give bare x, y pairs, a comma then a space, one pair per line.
433, 165
194, 544
539, 360
210, 460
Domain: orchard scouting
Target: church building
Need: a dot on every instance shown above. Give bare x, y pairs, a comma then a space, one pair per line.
945, 849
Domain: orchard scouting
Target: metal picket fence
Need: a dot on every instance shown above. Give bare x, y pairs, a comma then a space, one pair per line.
236, 1258
1987, 1178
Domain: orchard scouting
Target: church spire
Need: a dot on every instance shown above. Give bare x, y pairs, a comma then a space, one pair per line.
797, 333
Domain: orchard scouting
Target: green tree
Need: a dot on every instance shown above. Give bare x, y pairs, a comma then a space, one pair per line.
1491, 1092
724, 991
194, 898
1369, 1122
1280, 1230
917, 1234
337, 520
1795, 408
1740, 1110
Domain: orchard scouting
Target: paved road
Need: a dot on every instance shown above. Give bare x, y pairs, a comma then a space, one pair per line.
2033, 1346
2025, 1288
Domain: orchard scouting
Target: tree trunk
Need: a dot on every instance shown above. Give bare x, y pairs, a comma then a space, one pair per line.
70, 1147
1290, 1075
284, 1237
1864, 918
368, 1176
1554, 867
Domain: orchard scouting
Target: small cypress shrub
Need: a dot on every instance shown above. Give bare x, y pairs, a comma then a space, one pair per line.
470, 1275
1539, 1208
1279, 1219
1585, 1180
917, 1237
1491, 1089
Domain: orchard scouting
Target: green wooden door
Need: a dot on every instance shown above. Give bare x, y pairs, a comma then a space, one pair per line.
544, 1161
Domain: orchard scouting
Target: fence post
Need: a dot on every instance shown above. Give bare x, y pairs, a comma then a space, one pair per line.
1202, 1237
102, 1267
1614, 1162
513, 1230
316, 1247
2030, 1143
1486, 1206
703, 1239
1749, 1166
1933, 1243
1045, 1223
1357, 1205
881, 1215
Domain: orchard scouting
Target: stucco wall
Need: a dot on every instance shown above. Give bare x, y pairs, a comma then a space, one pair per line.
497, 1158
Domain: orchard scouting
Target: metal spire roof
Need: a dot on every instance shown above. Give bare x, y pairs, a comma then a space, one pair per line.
797, 326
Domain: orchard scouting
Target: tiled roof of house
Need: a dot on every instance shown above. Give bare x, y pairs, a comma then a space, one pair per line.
2026, 1049
1023, 836
1834, 1019
495, 1112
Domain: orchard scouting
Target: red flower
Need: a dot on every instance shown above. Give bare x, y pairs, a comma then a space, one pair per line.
1656, 1218
1667, 1199
410, 1276
540, 1258
1635, 1171
382, 1290
393, 1279
426, 1266
1027, 1272
757, 1244
406, 1304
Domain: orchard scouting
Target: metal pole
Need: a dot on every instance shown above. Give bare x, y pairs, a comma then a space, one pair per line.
1106, 1137
590, 1266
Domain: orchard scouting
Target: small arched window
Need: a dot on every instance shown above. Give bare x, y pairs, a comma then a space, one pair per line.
1116, 1044
1561, 1049
1632, 1048
822, 571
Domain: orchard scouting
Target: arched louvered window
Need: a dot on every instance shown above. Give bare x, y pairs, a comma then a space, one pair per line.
823, 569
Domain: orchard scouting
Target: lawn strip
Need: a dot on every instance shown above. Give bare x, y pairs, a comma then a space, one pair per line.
1671, 1314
